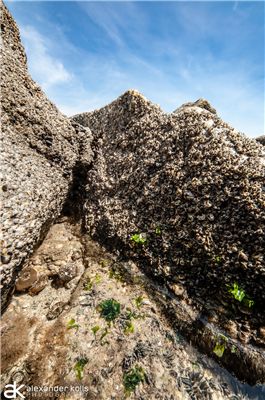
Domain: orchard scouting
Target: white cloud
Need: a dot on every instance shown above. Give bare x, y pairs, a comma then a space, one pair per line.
235, 5
44, 69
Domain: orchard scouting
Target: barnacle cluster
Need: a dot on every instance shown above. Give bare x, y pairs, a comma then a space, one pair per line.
192, 174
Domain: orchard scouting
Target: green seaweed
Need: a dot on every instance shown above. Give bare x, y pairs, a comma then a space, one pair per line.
79, 367
158, 229
110, 310
104, 334
132, 315
223, 337
138, 302
129, 328
112, 272
219, 350
89, 284
103, 343
239, 294
136, 238
95, 329
132, 378
72, 324
233, 349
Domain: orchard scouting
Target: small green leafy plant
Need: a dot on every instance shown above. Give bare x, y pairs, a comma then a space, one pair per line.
89, 284
239, 294
103, 263
223, 337
112, 272
129, 328
137, 239
132, 378
110, 310
219, 350
217, 258
97, 279
158, 229
138, 302
196, 362
132, 315
119, 277
95, 329
104, 334
79, 367
72, 324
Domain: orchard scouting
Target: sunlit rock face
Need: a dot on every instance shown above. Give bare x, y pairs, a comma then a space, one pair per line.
189, 184
40, 149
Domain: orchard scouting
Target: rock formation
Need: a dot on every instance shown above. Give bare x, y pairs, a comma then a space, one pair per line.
183, 195
92, 203
261, 139
41, 151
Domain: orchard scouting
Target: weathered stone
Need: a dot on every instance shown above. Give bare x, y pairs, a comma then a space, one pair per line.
41, 151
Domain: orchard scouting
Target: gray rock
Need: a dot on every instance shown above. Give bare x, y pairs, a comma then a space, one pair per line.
40, 150
261, 139
202, 103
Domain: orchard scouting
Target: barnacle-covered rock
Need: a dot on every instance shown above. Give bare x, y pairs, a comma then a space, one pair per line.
261, 139
194, 186
41, 153
67, 272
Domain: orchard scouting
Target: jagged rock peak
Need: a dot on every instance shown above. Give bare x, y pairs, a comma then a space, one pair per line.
202, 103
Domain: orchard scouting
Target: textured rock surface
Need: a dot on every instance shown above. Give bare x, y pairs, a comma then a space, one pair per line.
39, 349
201, 103
261, 139
193, 188
41, 151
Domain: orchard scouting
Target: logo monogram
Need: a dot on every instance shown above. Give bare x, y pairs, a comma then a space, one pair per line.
14, 392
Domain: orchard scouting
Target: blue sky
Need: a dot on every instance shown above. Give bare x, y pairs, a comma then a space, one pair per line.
86, 54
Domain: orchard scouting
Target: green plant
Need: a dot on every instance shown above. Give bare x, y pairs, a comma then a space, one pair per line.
132, 378
239, 294
195, 364
119, 277
158, 229
138, 302
219, 350
129, 328
132, 315
110, 310
97, 279
104, 334
79, 367
72, 324
217, 258
103, 343
233, 349
95, 329
103, 263
112, 272
136, 238
223, 337
89, 284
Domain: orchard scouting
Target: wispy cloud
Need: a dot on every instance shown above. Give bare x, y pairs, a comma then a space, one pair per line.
48, 71
235, 5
